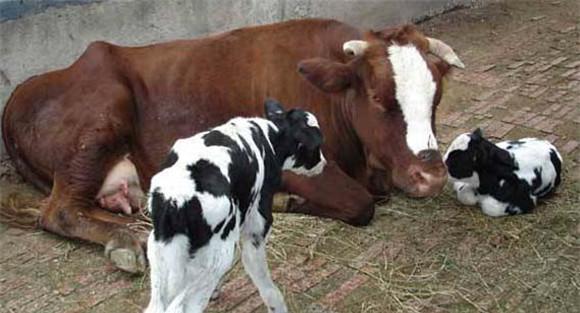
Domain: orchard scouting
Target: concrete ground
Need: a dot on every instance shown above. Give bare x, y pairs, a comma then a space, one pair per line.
419, 255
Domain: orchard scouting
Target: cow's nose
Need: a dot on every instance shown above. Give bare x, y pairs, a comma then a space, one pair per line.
429, 155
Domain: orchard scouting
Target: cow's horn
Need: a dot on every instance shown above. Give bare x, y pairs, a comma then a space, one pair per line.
355, 47
442, 50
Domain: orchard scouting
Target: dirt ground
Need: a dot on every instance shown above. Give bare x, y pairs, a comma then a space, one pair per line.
418, 255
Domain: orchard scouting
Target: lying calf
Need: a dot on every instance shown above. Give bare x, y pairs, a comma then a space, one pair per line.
504, 178
216, 189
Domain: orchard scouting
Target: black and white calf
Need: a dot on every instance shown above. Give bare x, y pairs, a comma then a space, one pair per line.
215, 190
505, 178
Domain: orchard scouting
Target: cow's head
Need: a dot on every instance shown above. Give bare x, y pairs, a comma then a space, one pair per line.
392, 88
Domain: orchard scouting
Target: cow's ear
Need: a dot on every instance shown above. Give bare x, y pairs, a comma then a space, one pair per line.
327, 75
274, 110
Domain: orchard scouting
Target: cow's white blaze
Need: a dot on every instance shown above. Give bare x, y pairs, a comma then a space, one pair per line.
414, 90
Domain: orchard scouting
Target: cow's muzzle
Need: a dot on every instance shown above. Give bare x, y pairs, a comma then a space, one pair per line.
427, 177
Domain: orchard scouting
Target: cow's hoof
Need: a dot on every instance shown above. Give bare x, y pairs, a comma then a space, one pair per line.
126, 253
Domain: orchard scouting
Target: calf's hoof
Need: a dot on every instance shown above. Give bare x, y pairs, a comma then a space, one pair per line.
127, 253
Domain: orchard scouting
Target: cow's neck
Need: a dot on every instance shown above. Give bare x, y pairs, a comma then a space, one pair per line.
347, 149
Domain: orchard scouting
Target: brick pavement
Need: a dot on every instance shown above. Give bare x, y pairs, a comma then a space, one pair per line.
525, 82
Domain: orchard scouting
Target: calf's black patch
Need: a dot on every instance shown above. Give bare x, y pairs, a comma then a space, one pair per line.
208, 178
170, 220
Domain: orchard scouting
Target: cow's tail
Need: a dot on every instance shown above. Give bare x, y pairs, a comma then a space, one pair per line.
15, 210
19, 212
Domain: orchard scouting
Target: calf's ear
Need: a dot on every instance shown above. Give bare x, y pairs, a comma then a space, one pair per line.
477, 134
327, 75
274, 110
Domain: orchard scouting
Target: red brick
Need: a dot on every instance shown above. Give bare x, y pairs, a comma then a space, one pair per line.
477, 107
552, 138
548, 125
559, 60
570, 146
332, 298
516, 65
233, 292
511, 89
447, 120
314, 279
563, 111
499, 102
511, 118
486, 68
544, 68
524, 117
568, 73
572, 64
536, 121
553, 97
368, 255
250, 305
538, 93
484, 96
498, 129
553, 108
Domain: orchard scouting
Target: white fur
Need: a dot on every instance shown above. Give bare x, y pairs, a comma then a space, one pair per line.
289, 165
492, 207
414, 90
311, 120
466, 193
184, 284
461, 142
531, 154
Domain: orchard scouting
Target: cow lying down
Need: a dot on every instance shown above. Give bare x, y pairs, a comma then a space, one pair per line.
215, 189
503, 178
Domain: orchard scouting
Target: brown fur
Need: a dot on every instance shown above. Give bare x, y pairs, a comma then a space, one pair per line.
66, 129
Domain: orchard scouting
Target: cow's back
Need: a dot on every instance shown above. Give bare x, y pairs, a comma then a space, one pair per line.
139, 100
188, 86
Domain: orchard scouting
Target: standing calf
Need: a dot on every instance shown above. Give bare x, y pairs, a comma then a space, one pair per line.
215, 189
503, 178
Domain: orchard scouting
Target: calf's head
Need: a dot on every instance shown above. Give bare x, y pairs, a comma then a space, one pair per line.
391, 87
299, 139
471, 153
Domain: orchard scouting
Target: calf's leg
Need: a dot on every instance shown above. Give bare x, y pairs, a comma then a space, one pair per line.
331, 194
253, 244
200, 274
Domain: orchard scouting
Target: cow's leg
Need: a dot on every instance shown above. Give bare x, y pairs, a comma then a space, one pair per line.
331, 194
253, 242
72, 211
66, 216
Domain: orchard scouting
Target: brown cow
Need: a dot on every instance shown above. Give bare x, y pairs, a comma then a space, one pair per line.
375, 95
